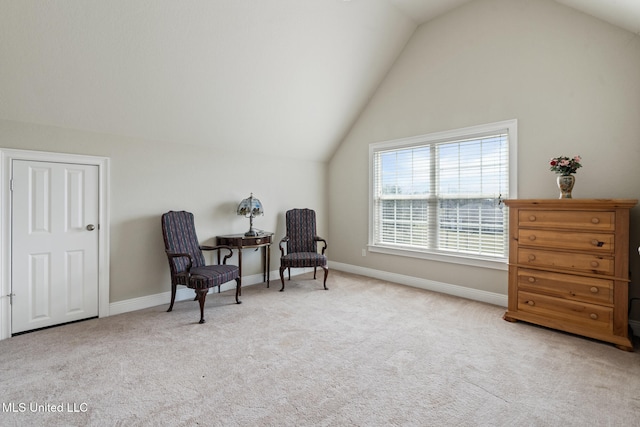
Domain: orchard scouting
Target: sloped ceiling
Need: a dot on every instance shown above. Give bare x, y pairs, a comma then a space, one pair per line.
284, 77
622, 13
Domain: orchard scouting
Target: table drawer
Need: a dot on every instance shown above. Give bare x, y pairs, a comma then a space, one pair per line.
244, 241
257, 240
589, 263
577, 288
570, 240
586, 315
581, 220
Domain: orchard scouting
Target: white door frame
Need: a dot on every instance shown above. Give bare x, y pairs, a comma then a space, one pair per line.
6, 158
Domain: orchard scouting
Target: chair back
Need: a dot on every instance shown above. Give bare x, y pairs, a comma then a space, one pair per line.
301, 229
179, 233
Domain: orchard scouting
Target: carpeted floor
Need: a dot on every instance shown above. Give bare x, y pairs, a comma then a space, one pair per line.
364, 353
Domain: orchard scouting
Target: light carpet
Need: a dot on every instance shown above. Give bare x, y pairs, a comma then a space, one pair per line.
364, 353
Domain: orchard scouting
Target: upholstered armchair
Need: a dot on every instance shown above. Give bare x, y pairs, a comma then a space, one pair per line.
186, 260
299, 248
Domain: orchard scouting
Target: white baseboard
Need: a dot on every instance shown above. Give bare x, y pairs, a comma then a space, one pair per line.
635, 327
445, 288
183, 294
430, 285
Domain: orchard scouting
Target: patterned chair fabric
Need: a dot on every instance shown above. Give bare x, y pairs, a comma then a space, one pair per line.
301, 244
187, 263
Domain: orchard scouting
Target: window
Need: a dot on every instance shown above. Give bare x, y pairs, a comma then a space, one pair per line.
439, 195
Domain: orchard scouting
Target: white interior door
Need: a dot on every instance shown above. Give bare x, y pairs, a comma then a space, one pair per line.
54, 248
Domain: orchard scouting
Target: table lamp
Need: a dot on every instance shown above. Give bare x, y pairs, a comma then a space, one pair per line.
250, 207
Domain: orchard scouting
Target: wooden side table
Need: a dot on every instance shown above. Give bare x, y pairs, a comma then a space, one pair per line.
240, 242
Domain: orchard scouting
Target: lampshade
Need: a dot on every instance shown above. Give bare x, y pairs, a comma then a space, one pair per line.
250, 207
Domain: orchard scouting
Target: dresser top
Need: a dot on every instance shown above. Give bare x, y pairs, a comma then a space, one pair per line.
572, 203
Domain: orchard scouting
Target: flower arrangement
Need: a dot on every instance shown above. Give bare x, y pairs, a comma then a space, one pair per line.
565, 165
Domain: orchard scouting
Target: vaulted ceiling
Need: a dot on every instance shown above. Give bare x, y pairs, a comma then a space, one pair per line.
623, 13
285, 77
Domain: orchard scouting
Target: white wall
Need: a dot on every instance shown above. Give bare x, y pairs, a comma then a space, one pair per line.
572, 81
150, 178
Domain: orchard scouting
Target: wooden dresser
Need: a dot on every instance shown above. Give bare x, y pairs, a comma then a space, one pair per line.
569, 266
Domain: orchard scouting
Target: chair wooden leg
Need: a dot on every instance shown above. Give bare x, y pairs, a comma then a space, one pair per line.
238, 290
202, 296
282, 277
173, 296
326, 273
314, 272
289, 269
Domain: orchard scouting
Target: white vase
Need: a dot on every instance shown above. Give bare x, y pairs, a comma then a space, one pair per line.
565, 184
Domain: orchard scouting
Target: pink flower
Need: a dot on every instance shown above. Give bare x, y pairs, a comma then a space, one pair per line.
565, 165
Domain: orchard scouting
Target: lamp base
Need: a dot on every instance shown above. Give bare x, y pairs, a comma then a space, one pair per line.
251, 233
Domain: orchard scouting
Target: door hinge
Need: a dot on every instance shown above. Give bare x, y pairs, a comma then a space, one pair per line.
11, 184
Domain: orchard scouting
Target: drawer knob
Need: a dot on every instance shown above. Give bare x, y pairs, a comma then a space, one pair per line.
532, 279
595, 220
594, 290
532, 237
594, 316
532, 217
531, 303
258, 241
532, 257
594, 264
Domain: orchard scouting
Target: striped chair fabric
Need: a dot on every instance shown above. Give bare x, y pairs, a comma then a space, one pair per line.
301, 244
186, 259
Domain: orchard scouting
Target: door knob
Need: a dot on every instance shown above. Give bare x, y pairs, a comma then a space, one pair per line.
91, 227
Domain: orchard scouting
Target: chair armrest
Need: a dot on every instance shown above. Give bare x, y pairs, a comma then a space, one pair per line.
219, 248
285, 239
320, 239
181, 255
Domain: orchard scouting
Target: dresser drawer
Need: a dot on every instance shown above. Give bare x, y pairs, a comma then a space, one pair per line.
588, 263
586, 315
568, 266
577, 288
570, 240
581, 220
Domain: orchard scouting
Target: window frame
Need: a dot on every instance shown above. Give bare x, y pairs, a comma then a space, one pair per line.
510, 126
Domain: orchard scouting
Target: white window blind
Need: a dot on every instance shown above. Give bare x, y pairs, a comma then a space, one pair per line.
442, 195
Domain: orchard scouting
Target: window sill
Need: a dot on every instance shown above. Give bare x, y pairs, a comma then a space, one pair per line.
475, 261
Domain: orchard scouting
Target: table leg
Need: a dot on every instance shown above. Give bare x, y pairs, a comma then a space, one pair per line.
268, 262
218, 264
264, 264
240, 267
